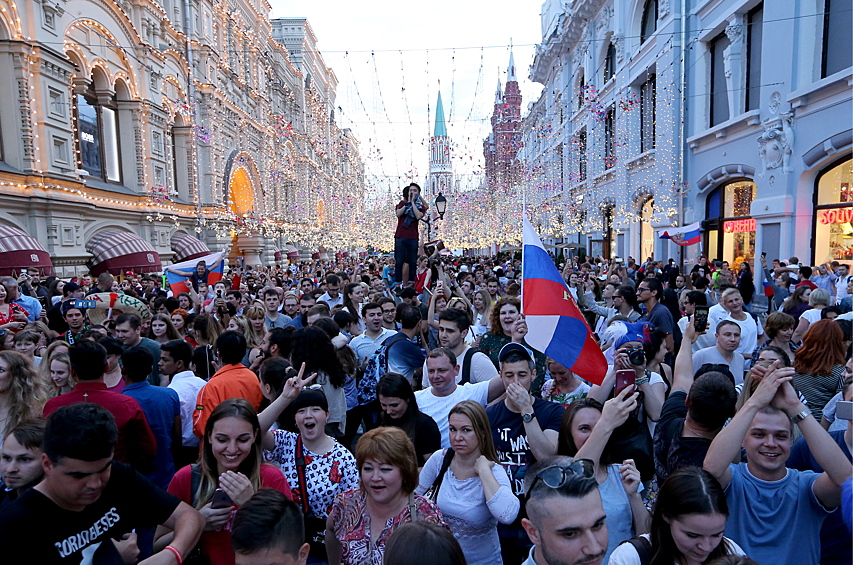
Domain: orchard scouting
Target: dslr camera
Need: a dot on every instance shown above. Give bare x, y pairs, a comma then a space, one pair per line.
636, 355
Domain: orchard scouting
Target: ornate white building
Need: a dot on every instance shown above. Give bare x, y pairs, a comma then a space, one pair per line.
165, 119
737, 115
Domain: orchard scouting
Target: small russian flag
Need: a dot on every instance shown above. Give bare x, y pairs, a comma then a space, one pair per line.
768, 291
179, 283
685, 235
555, 325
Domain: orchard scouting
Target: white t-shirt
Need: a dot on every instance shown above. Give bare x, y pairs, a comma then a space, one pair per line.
438, 407
749, 332
625, 554
812, 315
482, 368
713, 356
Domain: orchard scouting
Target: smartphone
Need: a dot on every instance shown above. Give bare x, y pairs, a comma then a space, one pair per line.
220, 499
844, 410
624, 379
764, 254
700, 318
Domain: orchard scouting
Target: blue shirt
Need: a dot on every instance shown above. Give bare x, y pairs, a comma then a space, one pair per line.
405, 357
160, 405
30, 304
835, 546
775, 521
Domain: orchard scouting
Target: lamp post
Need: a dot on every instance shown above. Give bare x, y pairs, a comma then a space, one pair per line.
441, 208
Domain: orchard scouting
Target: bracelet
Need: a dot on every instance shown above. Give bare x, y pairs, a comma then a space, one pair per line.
176, 553
642, 381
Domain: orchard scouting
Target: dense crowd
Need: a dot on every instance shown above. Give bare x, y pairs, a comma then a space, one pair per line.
369, 411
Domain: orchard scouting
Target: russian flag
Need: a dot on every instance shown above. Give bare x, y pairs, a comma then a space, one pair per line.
768, 291
685, 235
555, 325
179, 283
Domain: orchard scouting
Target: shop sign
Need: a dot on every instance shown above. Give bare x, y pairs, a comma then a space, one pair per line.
739, 226
837, 216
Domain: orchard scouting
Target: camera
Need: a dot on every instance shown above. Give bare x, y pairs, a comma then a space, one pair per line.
636, 355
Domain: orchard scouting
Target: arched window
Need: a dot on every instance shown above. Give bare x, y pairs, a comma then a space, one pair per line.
97, 136
649, 23
647, 234
609, 63
729, 229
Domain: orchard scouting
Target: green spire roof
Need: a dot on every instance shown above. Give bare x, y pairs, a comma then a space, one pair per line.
440, 128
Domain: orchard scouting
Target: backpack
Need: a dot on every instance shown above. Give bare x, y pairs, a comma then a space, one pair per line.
466, 365
374, 369
643, 548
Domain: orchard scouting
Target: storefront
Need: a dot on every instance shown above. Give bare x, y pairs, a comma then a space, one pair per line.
729, 231
833, 201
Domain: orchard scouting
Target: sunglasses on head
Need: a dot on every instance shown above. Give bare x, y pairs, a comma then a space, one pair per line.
556, 476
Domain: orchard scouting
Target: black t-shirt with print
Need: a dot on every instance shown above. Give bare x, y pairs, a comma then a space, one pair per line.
672, 451
35, 530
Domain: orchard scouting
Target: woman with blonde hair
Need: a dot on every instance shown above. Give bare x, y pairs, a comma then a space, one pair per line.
482, 306
818, 300
54, 349
256, 315
22, 393
469, 485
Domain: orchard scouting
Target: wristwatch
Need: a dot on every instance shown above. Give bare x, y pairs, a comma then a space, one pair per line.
527, 418
800, 417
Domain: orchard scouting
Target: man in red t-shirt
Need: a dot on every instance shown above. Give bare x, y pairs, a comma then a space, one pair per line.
409, 212
136, 444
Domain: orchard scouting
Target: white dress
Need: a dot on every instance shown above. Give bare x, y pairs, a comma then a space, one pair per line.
472, 519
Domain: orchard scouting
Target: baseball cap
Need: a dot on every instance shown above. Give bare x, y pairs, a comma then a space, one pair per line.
514, 347
70, 287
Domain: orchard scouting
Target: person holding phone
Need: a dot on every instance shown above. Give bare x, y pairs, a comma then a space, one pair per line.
229, 472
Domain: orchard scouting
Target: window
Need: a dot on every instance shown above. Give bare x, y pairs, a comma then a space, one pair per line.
833, 222
581, 88
730, 231
719, 89
56, 102
97, 138
609, 132
647, 234
581, 141
837, 41
649, 23
648, 114
609, 63
755, 22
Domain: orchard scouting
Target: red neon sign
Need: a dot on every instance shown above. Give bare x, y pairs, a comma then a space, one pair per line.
837, 216
739, 226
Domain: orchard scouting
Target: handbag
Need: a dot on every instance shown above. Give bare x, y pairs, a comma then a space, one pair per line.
432, 493
315, 527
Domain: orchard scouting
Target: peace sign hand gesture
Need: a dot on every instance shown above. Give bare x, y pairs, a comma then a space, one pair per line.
294, 385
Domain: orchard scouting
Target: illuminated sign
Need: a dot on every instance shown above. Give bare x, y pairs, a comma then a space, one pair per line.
837, 216
739, 226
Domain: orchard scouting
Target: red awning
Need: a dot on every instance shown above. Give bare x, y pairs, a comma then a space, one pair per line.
19, 251
293, 255
117, 251
277, 255
187, 247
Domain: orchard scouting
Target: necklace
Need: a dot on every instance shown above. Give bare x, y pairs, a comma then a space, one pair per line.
697, 433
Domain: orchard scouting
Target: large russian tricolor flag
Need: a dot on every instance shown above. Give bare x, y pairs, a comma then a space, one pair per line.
686, 235
179, 283
555, 325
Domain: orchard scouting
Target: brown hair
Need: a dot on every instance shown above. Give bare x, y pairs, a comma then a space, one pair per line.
495, 317
480, 422
776, 322
822, 349
27, 394
392, 446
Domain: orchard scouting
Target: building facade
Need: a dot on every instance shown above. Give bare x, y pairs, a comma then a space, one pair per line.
736, 115
169, 118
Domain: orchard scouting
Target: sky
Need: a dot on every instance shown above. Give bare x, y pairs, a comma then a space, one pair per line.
390, 59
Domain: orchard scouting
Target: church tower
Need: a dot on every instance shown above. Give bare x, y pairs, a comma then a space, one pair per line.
500, 148
440, 167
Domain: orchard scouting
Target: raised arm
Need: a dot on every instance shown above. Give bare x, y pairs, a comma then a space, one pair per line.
292, 387
615, 413
682, 374
727, 444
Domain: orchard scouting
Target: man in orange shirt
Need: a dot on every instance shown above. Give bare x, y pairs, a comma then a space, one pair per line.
232, 380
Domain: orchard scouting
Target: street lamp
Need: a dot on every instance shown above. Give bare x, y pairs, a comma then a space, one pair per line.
441, 208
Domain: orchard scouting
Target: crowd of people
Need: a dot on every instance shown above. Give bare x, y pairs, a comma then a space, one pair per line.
354, 411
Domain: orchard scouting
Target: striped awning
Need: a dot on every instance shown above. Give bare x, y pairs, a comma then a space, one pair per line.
117, 251
187, 247
20, 251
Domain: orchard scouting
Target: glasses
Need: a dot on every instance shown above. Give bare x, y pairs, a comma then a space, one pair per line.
642, 289
556, 476
617, 296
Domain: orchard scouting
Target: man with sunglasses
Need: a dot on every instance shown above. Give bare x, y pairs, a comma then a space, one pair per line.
649, 294
565, 516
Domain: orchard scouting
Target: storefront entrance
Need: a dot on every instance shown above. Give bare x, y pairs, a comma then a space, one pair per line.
729, 229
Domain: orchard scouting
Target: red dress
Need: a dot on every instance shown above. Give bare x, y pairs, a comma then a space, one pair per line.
13, 309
